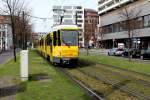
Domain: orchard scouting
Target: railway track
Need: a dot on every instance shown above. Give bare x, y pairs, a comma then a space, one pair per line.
110, 66
88, 91
116, 84
140, 81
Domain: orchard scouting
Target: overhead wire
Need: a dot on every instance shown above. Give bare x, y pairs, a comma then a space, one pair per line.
48, 18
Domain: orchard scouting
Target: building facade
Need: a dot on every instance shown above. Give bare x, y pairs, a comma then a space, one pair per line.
91, 19
41, 34
5, 33
71, 15
111, 22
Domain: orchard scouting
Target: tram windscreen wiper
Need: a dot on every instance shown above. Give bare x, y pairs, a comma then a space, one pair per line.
68, 43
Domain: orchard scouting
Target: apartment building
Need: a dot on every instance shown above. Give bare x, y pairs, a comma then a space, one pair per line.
111, 23
5, 33
71, 15
91, 19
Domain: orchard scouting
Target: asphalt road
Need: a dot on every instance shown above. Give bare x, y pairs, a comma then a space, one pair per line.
6, 55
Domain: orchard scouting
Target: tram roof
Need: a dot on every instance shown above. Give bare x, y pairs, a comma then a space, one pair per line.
59, 27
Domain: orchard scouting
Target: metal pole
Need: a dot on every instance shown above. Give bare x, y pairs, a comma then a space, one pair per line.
76, 18
23, 35
61, 18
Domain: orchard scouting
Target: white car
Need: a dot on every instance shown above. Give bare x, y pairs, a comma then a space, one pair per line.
119, 52
115, 52
112, 51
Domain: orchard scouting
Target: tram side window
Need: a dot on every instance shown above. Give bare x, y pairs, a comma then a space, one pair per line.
42, 42
47, 40
50, 41
55, 38
59, 41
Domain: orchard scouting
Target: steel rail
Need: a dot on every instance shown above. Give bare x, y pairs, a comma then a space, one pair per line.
89, 92
118, 86
140, 81
124, 69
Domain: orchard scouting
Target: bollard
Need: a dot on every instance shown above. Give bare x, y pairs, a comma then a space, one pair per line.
24, 65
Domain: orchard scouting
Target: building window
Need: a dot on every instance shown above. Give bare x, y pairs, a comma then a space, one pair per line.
56, 16
67, 16
79, 16
56, 7
116, 1
68, 21
110, 4
147, 21
67, 7
80, 21
68, 12
86, 21
139, 23
124, 25
110, 28
79, 7
101, 1
80, 12
80, 39
79, 25
101, 8
116, 27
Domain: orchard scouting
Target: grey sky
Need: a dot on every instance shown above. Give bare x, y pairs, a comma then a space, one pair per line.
43, 8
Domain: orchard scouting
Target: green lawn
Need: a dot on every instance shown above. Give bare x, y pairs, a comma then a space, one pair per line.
118, 62
55, 86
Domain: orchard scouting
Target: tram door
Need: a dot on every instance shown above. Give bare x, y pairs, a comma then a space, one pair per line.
54, 39
56, 43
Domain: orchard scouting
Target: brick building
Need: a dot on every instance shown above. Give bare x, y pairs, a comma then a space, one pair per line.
91, 19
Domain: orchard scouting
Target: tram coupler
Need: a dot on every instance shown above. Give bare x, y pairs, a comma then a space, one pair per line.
65, 61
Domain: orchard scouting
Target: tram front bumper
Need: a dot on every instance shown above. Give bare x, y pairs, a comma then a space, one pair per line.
68, 60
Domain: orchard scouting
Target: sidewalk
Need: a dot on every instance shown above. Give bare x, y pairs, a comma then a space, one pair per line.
6, 55
95, 51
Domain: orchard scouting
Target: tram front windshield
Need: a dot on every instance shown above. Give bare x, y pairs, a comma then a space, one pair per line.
70, 38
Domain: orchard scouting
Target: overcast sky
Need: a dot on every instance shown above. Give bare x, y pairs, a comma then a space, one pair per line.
43, 8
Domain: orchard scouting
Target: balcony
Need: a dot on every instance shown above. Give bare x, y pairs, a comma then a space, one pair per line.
111, 4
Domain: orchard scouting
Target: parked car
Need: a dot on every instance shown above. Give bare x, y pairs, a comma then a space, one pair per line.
119, 52
112, 51
134, 52
145, 53
115, 52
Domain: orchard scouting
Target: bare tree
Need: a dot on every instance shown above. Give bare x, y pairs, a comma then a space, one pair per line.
23, 29
130, 24
13, 8
101, 35
87, 38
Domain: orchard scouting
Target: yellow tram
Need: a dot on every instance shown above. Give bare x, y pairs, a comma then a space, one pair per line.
60, 45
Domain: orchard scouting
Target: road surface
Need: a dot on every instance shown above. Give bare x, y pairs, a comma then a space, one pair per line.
6, 55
